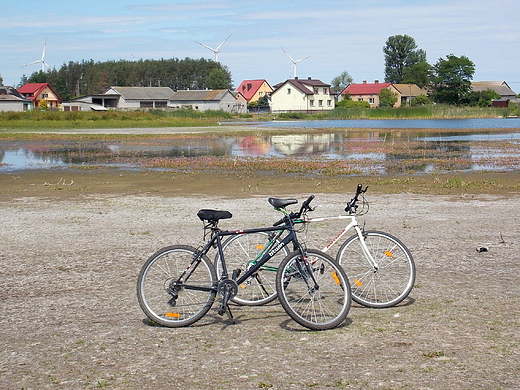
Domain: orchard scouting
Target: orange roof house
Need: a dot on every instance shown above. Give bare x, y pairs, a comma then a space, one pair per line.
253, 90
36, 92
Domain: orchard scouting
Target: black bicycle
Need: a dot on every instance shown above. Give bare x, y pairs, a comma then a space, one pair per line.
178, 284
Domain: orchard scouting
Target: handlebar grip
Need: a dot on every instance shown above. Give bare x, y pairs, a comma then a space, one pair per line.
307, 202
277, 223
359, 189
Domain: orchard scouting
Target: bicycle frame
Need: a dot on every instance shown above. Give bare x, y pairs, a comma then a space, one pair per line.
216, 240
352, 224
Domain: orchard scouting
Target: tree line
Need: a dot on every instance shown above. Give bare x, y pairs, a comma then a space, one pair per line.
448, 81
89, 77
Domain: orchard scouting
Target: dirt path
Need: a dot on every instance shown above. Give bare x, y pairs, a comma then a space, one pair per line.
70, 318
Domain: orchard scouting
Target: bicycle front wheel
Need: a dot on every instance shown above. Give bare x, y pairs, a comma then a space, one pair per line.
241, 252
386, 282
314, 290
171, 292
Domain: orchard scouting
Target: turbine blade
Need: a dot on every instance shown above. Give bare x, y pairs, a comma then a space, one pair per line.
224, 41
206, 46
287, 54
31, 63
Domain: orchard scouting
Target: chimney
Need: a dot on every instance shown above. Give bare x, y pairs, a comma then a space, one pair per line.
364, 81
308, 78
376, 81
296, 78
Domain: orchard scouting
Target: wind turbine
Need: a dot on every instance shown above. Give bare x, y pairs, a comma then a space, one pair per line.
42, 60
294, 62
217, 50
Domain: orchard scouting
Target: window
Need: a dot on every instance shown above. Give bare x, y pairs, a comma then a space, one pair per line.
325, 91
371, 100
311, 102
288, 91
316, 91
161, 104
45, 95
145, 104
320, 103
260, 94
329, 103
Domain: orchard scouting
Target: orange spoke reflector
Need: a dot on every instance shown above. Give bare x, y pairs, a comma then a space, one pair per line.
389, 254
357, 282
243, 286
172, 315
336, 279
259, 247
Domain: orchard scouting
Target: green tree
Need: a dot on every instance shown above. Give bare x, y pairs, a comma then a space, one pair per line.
421, 100
1, 80
43, 105
452, 79
420, 74
387, 98
339, 83
218, 79
482, 98
401, 53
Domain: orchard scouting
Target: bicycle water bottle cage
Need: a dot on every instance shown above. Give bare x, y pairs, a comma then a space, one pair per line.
213, 215
281, 203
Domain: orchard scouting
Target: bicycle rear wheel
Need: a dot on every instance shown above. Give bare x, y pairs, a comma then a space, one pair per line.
169, 293
241, 252
314, 291
383, 285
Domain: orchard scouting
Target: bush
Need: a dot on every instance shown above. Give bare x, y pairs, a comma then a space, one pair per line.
352, 104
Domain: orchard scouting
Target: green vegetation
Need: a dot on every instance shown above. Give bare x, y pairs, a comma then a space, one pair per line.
40, 120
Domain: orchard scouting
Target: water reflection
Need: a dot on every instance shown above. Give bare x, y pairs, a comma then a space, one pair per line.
367, 151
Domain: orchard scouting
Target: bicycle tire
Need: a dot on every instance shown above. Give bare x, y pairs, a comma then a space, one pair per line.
241, 252
190, 305
385, 286
318, 309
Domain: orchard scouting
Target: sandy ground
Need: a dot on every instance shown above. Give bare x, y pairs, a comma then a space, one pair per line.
70, 318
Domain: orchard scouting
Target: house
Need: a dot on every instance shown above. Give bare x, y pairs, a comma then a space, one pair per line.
368, 92
203, 100
302, 95
406, 93
12, 100
253, 90
36, 92
133, 98
500, 87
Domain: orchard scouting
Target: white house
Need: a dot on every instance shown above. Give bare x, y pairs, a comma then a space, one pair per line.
302, 95
133, 98
203, 100
12, 100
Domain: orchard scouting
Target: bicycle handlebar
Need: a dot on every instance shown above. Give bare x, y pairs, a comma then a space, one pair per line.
352, 206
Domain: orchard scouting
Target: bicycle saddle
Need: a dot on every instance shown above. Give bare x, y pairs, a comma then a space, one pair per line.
281, 203
213, 215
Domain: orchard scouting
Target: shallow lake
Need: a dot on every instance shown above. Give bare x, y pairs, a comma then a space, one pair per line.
374, 151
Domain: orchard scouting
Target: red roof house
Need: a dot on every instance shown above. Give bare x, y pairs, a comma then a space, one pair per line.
253, 90
36, 92
368, 92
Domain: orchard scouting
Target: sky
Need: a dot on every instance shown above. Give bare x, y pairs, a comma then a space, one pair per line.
336, 35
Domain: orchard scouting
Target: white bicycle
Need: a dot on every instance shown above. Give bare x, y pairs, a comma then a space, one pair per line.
379, 266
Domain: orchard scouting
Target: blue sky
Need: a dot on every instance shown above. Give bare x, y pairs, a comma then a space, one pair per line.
337, 35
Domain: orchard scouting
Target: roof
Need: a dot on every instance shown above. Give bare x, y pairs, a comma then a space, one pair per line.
366, 88
499, 87
143, 93
198, 95
409, 89
9, 93
248, 88
35, 89
303, 85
